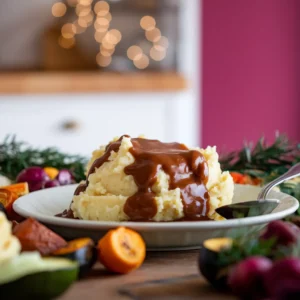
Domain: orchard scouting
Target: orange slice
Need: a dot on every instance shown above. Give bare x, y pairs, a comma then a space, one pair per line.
122, 250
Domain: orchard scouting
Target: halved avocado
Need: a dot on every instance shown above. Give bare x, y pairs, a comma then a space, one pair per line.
209, 264
81, 250
29, 276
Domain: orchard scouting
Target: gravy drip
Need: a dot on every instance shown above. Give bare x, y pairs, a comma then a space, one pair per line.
187, 170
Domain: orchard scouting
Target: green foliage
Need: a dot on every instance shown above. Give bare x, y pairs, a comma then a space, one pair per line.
266, 161
247, 245
16, 156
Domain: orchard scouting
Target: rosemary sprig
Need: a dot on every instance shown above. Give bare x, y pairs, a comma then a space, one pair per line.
16, 156
266, 161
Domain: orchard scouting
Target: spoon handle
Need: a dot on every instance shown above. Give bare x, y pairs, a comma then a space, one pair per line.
291, 173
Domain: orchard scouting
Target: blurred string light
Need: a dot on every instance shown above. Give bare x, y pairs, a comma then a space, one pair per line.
68, 30
140, 59
59, 9
147, 23
103, 61
142, 62
72, 3
158, 50
134, 52
66, 43
100, 16
108, 39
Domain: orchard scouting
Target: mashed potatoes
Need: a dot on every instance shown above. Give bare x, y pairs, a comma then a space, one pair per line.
109, 187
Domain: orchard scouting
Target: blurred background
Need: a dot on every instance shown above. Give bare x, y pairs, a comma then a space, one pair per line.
75, 73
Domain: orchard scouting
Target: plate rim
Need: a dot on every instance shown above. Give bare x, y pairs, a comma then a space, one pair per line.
150, 226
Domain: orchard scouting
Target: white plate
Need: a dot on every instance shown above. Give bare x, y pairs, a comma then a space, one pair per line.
44, 204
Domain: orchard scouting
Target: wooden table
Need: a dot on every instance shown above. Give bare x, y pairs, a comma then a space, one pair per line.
164, 268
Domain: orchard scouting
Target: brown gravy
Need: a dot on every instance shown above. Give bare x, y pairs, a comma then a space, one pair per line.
187, 170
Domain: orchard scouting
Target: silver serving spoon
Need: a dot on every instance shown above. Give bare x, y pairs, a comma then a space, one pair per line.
261, 206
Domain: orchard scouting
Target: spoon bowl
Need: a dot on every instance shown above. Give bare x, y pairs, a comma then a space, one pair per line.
262, 205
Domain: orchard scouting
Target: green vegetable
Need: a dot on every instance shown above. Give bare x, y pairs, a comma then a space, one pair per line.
28, 276
266, 162
16, 156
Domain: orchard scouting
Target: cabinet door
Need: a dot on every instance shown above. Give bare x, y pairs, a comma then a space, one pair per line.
80, 123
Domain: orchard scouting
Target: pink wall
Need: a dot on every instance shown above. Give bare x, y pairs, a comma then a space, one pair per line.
251, 70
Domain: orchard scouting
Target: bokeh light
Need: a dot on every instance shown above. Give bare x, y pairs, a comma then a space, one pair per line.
78, 28
68, 30
157, 54
153, 35
100, 28
101, 8
82, 23
88, 18
106, 52
85, 2
106, 44
102, 21
142, 63
113, 36
162, 42
82, 11
134, 52
148, 23
72, 3
103, 61
99, 36
66, 43
108, 16
59, 9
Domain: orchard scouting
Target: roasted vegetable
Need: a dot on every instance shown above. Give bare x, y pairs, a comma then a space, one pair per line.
36, 237
28, 276
81, 250
246, 278
7, 198
215, 271
122, 250
20, 189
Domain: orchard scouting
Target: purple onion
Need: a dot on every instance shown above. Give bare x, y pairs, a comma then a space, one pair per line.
64, 177
34, 176
51, 183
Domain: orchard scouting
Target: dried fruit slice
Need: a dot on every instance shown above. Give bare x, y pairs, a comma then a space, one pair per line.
122, 250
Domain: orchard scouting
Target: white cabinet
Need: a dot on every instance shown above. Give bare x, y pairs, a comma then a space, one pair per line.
42, 120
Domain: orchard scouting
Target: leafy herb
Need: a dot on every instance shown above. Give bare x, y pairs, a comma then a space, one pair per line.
266, 162
247, 245
16, 156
